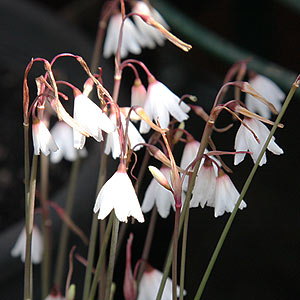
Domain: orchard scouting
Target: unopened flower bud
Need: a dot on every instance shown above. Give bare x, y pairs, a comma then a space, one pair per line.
160, 177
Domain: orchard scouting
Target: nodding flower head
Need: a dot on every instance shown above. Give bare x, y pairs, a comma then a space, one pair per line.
245, 141
131, 41
150, 35
267, 89
42, 138
118, 194
226, 195
160, 104
113, 140
91, 118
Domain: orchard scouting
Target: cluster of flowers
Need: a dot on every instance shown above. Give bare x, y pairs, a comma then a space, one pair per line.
156, 107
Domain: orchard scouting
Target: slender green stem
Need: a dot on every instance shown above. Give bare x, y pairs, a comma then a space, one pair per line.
112, 256
46, 223
204, 141
100, 259
63, 241
175, 251
102, 276
147, 244
183, 253
94, 228
243, 192
29, 214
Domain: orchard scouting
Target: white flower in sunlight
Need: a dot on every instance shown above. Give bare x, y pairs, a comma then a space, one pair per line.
36, 246
157, 194
131, 40
91, 118
113, 141
118, 194
149, 285
226, 195
205, 185
150, 35
245, 141
269, 90
42, 139
160, 103
63, 135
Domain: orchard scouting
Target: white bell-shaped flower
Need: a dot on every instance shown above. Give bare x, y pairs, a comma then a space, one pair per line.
226, 195
131, 40
63, 135
160, 104
205, 185
91, 118
42, 138
36, 246
113, 142
118, 194
245, 141
150, 35
269, 90
158, 195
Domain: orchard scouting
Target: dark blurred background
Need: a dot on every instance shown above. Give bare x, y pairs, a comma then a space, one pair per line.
260, 258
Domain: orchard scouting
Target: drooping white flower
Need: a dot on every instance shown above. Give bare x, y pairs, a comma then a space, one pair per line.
149, 285
131, 40
113, 141
269, 90
91, 118
226, 195
205, 185
42, 139
150, 35
36, 246
63, 135
162, 197
245, 141
160, 104
118, 194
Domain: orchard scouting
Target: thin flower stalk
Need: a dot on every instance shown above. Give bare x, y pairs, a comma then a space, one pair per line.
46, 225
64, 236
29, 217
204, 141
243, 192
